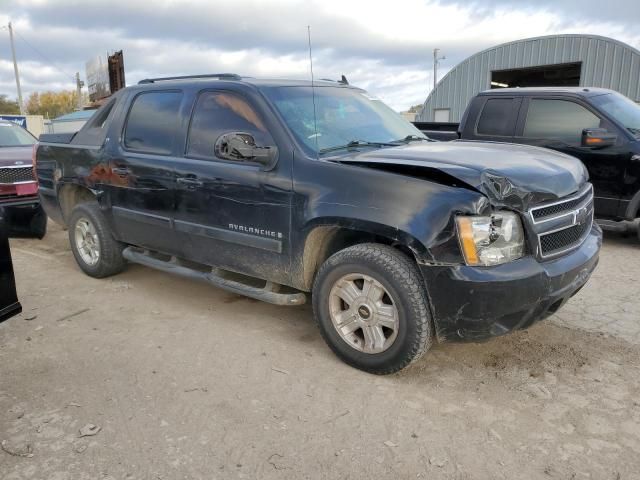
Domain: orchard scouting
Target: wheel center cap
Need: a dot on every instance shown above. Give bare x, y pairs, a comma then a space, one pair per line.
364, 312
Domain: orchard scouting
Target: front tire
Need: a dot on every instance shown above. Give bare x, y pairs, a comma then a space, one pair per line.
97, 253
370, 304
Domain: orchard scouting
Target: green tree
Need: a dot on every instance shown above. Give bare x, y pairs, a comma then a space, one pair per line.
52, 104
8, 107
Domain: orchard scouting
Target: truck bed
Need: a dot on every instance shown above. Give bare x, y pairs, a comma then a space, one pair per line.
443, 131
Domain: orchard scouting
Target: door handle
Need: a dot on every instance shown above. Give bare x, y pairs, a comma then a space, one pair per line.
121, 171
190, 182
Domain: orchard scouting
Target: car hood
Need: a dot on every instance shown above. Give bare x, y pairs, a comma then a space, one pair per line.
515, 176
12, 156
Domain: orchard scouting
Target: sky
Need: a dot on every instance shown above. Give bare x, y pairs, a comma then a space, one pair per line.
382, 46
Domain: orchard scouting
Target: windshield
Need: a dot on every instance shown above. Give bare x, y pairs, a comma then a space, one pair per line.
14, 136
345, 117
622, 109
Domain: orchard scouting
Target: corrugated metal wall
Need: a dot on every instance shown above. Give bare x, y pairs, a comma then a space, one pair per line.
606, 63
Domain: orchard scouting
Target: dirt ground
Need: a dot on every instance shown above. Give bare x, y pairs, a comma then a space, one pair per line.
183, 381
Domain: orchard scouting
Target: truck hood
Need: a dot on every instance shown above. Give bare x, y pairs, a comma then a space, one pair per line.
12, 156
515, 176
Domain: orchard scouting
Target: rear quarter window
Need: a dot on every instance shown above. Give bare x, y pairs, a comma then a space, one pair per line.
95, 130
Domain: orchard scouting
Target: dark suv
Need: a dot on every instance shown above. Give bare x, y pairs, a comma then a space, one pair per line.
275, 188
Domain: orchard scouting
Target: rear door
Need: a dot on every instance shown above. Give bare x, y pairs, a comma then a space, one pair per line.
233, 213
142, 169
557, 123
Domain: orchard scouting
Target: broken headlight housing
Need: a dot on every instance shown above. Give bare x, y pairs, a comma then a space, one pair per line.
490, 240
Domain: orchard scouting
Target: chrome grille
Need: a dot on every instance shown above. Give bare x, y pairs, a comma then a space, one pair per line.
9, 175
563, 225
559, 241
541, 213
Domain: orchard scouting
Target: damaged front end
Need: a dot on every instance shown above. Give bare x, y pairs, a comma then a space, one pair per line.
526, 247
511, 280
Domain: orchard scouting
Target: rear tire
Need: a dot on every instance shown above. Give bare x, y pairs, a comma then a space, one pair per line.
384, 324
95, 249
38, 225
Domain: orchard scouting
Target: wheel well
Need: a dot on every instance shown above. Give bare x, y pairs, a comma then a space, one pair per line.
633, 208
71, 195
324, 241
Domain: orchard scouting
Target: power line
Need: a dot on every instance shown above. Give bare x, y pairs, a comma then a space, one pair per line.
44, 57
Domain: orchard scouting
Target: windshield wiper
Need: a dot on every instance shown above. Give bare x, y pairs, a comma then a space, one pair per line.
411, 138
634, 131
357, 143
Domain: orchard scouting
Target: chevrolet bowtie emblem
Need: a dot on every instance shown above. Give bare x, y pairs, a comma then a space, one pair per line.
580, 216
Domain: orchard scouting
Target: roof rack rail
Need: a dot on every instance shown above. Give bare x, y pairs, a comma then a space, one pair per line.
225, 76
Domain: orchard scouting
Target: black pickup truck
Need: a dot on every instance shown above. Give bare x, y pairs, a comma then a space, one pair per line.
272, 189
598, 126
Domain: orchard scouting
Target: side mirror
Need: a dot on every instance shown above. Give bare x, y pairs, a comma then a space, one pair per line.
598, 138
240, 146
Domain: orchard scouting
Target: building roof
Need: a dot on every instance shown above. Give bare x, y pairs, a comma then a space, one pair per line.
75, 116
605, 62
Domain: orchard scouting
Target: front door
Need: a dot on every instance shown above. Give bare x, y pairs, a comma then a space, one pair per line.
142, 171
234, 214
558, 124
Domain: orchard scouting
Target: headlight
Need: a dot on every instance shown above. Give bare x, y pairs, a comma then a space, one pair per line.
491, 240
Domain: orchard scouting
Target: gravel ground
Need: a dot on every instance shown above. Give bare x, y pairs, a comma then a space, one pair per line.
171, 379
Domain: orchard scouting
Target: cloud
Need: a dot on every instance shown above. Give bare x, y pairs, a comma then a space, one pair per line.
623, 12
379, 45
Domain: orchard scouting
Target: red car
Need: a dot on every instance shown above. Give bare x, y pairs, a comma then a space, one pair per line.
18, 186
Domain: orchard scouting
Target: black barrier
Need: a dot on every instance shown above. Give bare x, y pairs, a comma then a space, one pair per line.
9, 304
25, 221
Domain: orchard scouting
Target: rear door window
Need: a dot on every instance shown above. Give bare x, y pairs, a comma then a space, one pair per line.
153, 122
561, 120
495, 119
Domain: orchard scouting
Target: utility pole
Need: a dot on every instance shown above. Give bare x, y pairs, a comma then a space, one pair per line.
15, 69
79, 85
436, 60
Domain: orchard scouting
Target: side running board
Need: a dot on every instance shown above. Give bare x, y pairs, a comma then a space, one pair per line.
269, 293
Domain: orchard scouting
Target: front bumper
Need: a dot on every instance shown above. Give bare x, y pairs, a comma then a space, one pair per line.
477, 303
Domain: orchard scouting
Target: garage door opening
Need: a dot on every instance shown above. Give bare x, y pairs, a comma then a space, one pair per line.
561, 75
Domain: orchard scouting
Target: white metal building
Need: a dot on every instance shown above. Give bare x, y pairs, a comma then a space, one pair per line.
71, 122
556, 60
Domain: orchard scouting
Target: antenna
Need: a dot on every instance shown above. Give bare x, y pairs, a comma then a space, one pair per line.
313, 93
436, 61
